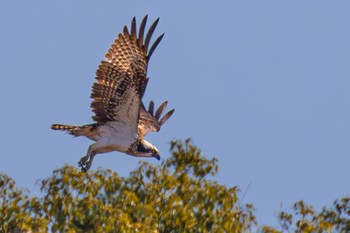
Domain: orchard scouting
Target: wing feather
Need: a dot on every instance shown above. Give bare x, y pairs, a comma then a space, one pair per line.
142, 31
150, 33
154, 46
133, 29
149, 122
121, 80
166, 117
116, 96
160, 110
151, 107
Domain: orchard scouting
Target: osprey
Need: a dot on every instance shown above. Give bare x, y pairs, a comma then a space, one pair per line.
122, 120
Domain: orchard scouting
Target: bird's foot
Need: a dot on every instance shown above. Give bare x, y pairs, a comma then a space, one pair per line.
85, 163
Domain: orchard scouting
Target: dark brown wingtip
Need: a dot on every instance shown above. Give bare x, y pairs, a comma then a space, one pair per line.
154, 46
151, 107
133, 28
150, 33
166, 117
160, 110
142, 30
126, 31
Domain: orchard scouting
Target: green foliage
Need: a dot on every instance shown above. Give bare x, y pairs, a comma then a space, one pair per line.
173, 197
179, 195
18, 212
306, 219
176, 196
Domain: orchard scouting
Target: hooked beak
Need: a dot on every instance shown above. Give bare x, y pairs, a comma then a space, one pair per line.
156, 155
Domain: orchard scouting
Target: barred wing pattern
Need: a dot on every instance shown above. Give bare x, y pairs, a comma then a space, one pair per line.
121, 80
116, 95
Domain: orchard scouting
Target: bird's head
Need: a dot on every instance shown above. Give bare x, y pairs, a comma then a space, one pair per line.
155, 153
146, 149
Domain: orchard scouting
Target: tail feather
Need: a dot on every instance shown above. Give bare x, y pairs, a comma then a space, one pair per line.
71, 129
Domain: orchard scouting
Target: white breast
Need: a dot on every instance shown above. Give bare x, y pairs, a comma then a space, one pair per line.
115, 136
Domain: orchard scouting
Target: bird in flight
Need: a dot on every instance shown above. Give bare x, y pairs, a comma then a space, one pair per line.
122, 120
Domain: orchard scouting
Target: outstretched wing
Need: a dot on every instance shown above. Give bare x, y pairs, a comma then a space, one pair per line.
151, 122
121, 80
116, 95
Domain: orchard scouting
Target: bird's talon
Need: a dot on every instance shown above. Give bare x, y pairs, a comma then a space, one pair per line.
83, 164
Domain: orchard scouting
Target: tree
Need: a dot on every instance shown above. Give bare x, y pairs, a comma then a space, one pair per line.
176, 196
306, 219
179, 195
18, 213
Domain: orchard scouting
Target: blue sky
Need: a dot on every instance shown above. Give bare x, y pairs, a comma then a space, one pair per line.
261, 85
